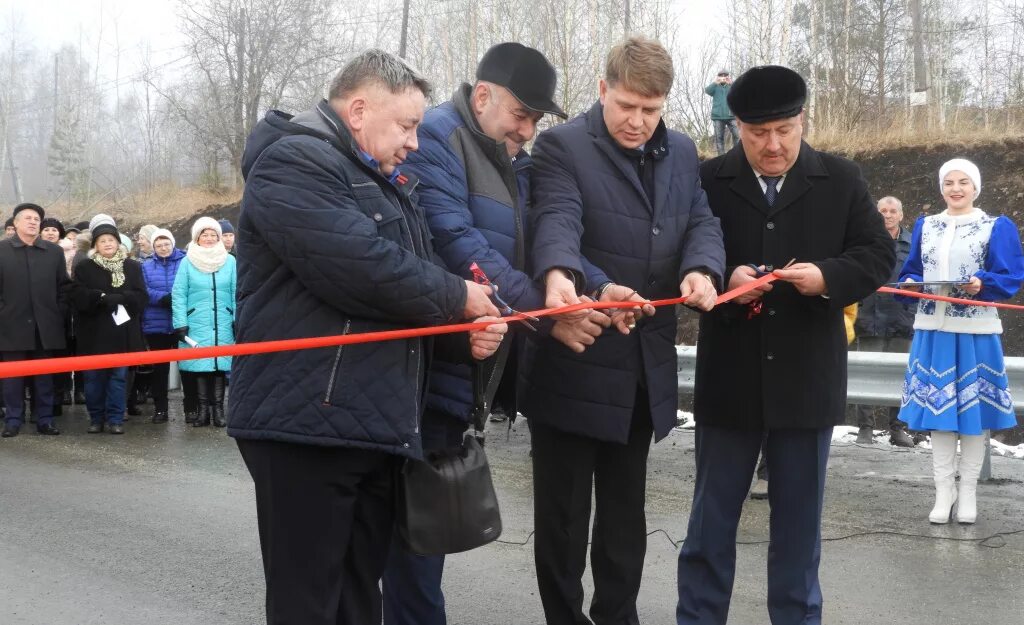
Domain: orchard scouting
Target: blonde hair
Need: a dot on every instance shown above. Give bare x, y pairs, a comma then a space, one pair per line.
640, 65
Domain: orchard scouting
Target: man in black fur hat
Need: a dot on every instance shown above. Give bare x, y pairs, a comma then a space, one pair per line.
772, 363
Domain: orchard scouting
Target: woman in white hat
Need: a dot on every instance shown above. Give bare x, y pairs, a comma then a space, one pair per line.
956, 383
203, 309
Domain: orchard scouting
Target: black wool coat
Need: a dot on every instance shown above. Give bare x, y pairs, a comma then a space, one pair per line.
33, 295
786, 367
94, 322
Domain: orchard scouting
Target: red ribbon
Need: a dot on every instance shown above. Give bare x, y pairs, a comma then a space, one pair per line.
44, 366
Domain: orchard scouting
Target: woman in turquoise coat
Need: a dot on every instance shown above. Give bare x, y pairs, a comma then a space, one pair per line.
203, 312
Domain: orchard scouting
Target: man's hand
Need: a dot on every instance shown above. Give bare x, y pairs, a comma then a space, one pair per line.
806, 277
577, 336
973, 287
625, 318
561, 291
478, 301
483, 343
742, 275
699, 291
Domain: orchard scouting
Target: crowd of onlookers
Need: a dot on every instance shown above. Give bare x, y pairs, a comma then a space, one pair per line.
92, 289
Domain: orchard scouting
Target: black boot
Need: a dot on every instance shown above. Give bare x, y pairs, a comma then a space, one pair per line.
203, 398
65, 398
219, 419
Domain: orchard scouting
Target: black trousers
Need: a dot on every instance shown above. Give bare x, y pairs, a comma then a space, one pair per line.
158, 380
565, 469
325, 516
189, 391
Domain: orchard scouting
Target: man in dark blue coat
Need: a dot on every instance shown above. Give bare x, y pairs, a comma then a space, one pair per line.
474, 186
885, 324
771, 364
331, 243
616, 186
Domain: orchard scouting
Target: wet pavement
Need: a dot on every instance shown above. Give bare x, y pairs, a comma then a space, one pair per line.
158, 527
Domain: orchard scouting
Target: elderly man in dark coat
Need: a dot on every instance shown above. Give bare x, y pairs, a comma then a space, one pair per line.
33, 285
615, 186
773, 362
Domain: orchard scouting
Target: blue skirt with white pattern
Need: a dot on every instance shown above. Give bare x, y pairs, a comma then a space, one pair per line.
956, 383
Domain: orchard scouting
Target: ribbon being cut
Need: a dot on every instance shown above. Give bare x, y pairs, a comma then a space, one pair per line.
46, 366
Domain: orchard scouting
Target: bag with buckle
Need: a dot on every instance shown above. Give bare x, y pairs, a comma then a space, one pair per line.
447, 503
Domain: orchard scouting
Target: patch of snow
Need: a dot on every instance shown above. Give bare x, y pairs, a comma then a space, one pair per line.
684, 421
1007, 451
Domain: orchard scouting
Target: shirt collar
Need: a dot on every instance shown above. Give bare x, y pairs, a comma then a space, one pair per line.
372, 162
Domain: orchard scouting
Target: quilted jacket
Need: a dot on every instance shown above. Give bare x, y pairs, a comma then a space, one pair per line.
205, 304
328, 246
159, 274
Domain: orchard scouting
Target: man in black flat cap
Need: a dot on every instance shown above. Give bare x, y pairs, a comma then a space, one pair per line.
33, 279
773, 362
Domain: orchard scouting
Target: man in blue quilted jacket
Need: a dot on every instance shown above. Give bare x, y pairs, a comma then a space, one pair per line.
474, 187
331, 243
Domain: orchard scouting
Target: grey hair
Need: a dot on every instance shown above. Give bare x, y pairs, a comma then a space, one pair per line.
388, 70
892, 200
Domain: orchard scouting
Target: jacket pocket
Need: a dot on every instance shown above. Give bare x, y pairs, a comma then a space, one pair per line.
332, 381
190, 311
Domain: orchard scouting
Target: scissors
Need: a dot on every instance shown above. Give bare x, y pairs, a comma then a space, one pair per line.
761, 274
756, 305
481, 278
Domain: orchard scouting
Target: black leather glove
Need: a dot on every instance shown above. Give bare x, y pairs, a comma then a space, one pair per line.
181, 333
165, 301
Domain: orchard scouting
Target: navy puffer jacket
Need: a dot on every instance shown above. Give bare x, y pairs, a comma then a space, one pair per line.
328, 246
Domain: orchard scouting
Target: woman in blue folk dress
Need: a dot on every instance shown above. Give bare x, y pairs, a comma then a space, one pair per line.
956, 383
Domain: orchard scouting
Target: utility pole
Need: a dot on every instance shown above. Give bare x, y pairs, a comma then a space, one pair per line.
920, 70
626, 19
239, 96
16, 187
405, 28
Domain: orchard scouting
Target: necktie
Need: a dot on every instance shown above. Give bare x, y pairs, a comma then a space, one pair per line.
771, 193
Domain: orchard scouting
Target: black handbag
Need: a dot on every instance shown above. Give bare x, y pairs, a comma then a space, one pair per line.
446, 503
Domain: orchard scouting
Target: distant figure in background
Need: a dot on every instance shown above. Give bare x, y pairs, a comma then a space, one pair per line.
32, 290
108, 284
51, 230
160, 272
203, 309
229, 236
9, 228
956, 384
721, 116
143, 247
886, 324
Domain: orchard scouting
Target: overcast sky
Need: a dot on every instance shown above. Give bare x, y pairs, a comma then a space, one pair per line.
131, 25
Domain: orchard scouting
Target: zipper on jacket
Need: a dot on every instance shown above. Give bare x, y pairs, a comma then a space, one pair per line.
334, 369
216, 330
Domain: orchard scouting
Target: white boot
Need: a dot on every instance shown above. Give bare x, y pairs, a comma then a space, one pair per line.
944, 469
972, 456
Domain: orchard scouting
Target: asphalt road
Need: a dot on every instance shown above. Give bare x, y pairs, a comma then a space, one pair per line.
158, 527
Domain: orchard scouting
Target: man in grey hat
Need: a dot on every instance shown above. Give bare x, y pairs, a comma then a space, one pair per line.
772, 363
474, 188
721, 116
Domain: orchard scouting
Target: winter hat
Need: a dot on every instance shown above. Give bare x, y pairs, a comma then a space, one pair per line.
126, 241
29, 206
766, 93
226, 227
966, 166
101, 229
9, 223
101, 218
161, 233
53, 222
81, 226
146, 232
205, 223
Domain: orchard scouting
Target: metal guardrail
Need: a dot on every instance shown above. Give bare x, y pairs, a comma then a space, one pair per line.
874, 378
